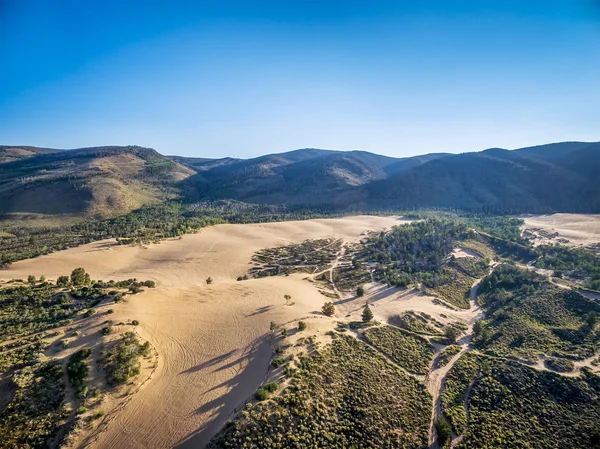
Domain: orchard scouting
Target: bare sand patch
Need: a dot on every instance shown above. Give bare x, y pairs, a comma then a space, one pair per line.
213, 341
567, 229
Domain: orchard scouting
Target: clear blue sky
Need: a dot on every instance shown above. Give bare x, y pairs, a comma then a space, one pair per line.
245, 78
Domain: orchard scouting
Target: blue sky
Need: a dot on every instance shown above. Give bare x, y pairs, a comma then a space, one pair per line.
245, 78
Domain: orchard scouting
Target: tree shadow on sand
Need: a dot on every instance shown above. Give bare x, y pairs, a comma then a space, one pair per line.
242, 385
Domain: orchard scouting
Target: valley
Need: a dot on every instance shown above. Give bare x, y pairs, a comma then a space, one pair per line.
214, 342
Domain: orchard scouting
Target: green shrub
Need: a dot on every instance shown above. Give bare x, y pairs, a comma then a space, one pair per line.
107, 330
301, 325
409, 351
271, 387
328, 309
261, 394
443, 430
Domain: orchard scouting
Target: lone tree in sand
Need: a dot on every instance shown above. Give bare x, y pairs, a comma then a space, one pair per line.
367, 315
328, 309
301, 325
208, 280
360, 291
287, 299
79, 277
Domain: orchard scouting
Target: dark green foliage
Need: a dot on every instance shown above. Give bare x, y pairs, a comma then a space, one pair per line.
453, 287
36, 411
271, 387
414, 252
360, 291
277, 362
344, 396
135, 323
209, 280
409, 351
32, 308
261, 394
527, 316
511, 405
328, 309
77, 368
367, 314
559, 365
62, 281
419, 323
107, 330
122, 361
80, 277
443, 430
506, 228
580, 264
452, 333
301, 325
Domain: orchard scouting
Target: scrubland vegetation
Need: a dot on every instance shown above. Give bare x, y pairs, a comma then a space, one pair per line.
122, 361
345, 396
511, 405
408, 350
35, 411
526, 316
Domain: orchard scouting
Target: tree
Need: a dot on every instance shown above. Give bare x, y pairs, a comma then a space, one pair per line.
287, 298
591, 319
452, 333
360, 291
209, 280
273, 326
443, 430
357, 263
367, 314
42, 278
62, 281
31, 279
328, 309
301, 325
79, 277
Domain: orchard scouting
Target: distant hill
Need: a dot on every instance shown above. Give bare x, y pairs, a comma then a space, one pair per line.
109, 181
89, 182
302, 177
16, 153
558, 177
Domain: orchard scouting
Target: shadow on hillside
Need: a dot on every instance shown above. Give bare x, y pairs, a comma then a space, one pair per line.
242, 385
260, 310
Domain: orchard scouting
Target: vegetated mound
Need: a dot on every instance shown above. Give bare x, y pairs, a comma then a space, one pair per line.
38, 322
409, 351
347, 395
89, 182
511, 405
528, 317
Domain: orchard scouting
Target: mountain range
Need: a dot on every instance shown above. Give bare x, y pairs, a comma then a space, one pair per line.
104, 182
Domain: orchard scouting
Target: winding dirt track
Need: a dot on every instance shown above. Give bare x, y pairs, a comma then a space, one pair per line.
211, 339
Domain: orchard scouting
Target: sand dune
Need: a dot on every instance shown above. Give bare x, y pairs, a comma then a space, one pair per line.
213, 340
578, 229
